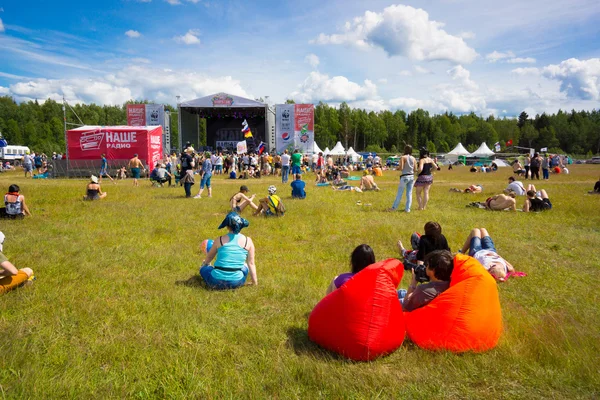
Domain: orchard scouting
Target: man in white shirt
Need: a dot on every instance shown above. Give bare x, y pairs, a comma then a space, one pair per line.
285, 166
515, 186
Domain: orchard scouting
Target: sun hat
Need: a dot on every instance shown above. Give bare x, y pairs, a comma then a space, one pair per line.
2, 237
272, 189
94, 179
235, 222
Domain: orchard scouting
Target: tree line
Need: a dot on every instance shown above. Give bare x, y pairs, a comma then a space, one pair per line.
40, 126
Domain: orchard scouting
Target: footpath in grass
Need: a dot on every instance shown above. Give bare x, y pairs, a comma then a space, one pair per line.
116, 310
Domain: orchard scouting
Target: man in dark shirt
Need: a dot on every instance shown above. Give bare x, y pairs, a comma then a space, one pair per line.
439, 265
187, 161
298, 185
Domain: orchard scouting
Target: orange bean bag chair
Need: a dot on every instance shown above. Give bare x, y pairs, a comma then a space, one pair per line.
363, 319
466, 317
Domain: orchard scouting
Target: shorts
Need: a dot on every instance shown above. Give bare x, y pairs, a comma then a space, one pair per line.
485, 243
424, 180
205, 181
103, 172
135, 173
27, 167
296, 170
278, 165
548, 204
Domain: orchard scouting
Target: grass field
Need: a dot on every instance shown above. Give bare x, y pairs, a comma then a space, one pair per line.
116, 310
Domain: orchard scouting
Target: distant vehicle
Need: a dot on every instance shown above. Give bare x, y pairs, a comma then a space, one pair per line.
13, 153
393, 161
595, 160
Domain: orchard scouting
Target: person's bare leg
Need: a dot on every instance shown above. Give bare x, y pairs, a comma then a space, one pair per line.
544, 194
484, 232
210, 192
419, 193
475, 232
531, 187
426, 195
103, 195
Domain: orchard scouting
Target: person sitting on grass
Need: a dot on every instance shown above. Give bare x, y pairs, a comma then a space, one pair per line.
480, 246
14, 204
271, 206
596, 188
234, 257
515, 186
470, 189
93, 190
10, 276
498, 202
432, 240
536, 201
438, 267
298, 186
362, 256
240, 200
367, 182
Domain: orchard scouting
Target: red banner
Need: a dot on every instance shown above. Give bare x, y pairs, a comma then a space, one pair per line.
117, 142
136, 114
304, 114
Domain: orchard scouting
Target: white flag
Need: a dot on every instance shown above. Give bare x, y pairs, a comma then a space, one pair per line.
543, 149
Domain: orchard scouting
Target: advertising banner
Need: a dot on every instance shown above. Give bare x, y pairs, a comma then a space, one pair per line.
304, 127
155, 115
284, 127
242, 147
118, 143
136, 114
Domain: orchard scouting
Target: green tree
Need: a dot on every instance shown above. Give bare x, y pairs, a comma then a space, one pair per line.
529, 134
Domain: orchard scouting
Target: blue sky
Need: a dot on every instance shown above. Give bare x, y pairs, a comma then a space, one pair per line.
457, 55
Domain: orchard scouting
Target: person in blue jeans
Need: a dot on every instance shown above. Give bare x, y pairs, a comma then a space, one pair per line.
408, 165
234, 257
206, 175
285, 166
481, 247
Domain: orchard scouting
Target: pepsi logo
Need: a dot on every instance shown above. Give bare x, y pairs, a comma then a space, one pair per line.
285, 136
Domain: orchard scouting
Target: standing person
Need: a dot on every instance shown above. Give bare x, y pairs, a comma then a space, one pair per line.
408, 166
527, 164
11, 277
298, 186
285, 166
104, 169
37, 159
136, 166
518, 168
320, 162
546, 167
277, 164
534, 166
219, 164
425, 178
187, 162
28, 164
235, 257
206, 175
187, 180
314, 159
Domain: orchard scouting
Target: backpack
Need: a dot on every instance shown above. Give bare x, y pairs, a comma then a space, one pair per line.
280, 208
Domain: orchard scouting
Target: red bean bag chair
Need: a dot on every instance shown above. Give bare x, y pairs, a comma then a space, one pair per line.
466, 317
363, 319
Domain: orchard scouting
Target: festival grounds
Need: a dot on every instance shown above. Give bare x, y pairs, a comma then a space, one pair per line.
117, 310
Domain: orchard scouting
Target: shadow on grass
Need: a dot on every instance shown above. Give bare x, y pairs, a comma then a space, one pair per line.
194, 281
299, 342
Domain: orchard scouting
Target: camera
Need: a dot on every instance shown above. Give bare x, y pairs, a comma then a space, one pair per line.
421, 273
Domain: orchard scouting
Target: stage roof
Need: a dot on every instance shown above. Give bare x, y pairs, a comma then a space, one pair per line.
222, 100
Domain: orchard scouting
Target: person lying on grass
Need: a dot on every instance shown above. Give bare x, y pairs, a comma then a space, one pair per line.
432, 240
93, 190
498, 202
367, 182
480, 246
438, 268
10, 276
347, 188
470, 189
536, 201
362, 256
234, 257
240, 200
271, 205
14, 204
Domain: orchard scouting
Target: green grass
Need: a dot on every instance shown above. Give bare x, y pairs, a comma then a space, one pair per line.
116, 311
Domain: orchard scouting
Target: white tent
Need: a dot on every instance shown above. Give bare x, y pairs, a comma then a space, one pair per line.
353, 155
500, 163
482, 151
316, 149
327, 151
338, 150
459, 150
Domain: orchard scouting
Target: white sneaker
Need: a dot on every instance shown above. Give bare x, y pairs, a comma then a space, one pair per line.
197, 196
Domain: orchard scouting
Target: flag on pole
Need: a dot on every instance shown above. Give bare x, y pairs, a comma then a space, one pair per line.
509, 143
246, 130
497, 145
261, 148
543, 149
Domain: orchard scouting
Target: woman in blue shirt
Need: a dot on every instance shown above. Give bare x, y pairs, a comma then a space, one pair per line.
234, 257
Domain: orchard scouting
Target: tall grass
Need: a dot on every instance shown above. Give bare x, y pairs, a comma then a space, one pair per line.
116, 310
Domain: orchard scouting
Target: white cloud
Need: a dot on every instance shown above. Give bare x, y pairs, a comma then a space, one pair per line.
466, 35
410, 104
319, 87
463, 76
1, 26
519, 60
191, 37
134, 82
579, 79
526, 71
496, 55
421, 70
402, 31
405, 72
382, 80
4, 90
140, 60
312, 60
133, 34
173, 2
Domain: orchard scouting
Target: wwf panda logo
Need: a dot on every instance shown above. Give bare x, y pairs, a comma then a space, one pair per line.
285, 114
154, 115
